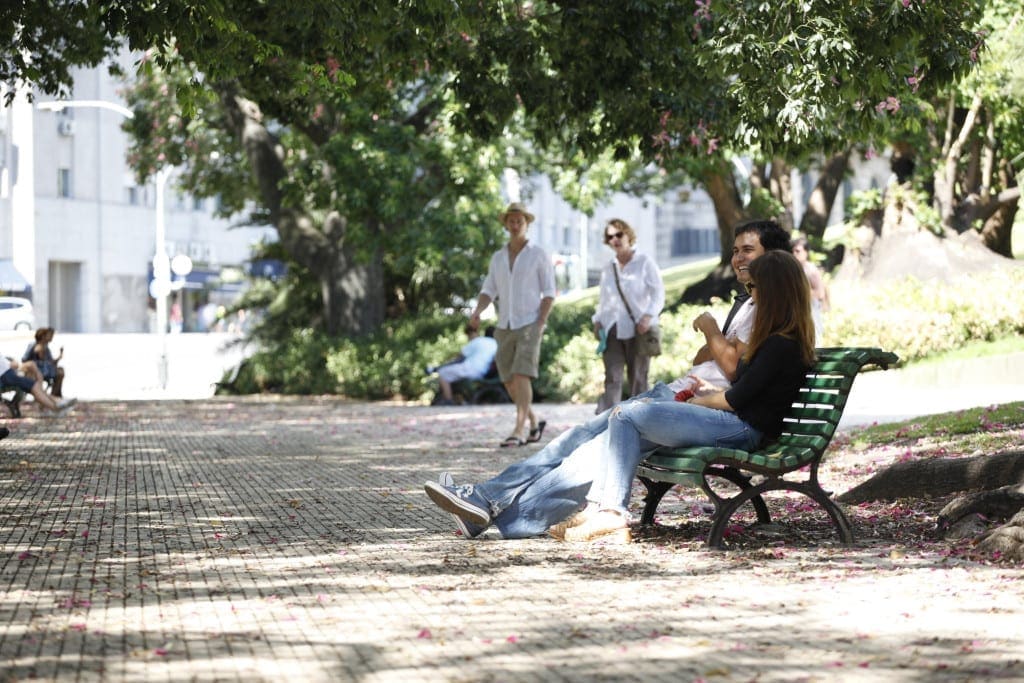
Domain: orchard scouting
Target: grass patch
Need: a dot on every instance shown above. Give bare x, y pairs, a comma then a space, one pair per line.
987, 429
976, 349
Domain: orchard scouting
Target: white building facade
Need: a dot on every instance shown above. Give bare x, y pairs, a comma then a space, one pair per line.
82, 232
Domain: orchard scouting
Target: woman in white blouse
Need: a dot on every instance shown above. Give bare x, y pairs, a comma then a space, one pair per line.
618, 325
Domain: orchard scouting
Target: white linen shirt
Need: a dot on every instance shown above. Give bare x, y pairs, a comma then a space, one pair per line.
478, 354
642, 285
517, 292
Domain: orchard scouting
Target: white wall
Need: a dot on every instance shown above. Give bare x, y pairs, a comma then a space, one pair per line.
99, 228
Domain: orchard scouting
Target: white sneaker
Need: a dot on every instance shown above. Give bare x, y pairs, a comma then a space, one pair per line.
65, 405
558, 530
605, 525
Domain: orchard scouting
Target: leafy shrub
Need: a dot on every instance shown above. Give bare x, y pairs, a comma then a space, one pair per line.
916, 319
386, 365
390, 364
295, 366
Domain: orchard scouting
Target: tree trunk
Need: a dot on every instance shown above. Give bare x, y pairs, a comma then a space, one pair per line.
945, 175
878, 258
720, 185
997, 230
938, 477
351, 283
996, 485
780, 183
823, 197
1007, 540
1001, 503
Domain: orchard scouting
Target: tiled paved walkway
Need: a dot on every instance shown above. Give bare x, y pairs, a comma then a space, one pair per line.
266, 540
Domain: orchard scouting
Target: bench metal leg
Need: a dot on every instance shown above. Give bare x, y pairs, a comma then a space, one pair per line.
743, 482
656, 490
722, 516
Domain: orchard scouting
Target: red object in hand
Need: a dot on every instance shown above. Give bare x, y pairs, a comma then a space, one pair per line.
684, 395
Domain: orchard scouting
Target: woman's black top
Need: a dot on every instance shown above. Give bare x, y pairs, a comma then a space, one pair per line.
765, 389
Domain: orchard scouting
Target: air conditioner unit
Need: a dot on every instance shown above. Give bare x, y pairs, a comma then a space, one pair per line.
66, 127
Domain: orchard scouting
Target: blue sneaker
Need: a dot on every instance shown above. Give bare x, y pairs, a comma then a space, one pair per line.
467, 529
462, 501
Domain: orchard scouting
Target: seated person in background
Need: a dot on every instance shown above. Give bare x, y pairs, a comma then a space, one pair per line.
473, 362
31, 382
39, 352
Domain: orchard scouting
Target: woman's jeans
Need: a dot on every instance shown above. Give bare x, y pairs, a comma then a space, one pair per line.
636, 428
618, 354
530, 496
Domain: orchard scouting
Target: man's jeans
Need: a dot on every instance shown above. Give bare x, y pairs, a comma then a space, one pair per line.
530, 496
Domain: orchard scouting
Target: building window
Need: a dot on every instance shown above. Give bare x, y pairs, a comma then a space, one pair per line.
686, 241
133, 195
197, 203
64, 182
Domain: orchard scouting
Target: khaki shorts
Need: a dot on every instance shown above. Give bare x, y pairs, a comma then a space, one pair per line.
518, 351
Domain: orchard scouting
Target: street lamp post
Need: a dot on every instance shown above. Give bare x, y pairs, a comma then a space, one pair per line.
161, 285
161, 274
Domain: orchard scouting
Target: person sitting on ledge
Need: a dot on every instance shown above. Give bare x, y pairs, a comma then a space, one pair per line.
31, 381
39, 353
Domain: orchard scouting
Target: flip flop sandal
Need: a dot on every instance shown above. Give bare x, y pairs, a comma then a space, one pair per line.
512, 442
537, 433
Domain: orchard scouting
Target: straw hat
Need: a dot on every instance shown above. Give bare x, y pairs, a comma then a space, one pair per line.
516, 207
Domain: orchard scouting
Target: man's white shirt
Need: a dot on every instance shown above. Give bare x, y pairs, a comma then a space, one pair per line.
517, 291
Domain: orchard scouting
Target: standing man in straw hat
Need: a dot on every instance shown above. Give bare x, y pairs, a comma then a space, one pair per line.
521, 283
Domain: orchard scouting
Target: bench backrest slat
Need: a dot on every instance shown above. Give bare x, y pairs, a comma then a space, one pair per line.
804, 413
806, 431
826, 382
822, 398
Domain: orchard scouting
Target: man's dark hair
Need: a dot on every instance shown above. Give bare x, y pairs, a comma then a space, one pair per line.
469, 329
770, 233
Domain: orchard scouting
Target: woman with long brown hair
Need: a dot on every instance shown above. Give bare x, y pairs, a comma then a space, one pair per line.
770, 373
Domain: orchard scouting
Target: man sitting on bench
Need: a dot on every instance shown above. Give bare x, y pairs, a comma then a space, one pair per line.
473, 362
31, 382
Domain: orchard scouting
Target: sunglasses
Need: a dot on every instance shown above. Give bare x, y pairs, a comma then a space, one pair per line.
750, 287
615, 235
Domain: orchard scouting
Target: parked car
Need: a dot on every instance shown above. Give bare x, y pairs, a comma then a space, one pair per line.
16, 313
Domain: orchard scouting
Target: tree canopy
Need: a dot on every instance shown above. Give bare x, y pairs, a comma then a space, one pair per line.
695, 77
691, 76
337, 111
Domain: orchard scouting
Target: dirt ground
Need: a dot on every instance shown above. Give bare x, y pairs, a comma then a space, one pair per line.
264, 539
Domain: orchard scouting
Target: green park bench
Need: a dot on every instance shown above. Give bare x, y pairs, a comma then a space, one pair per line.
807, 432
